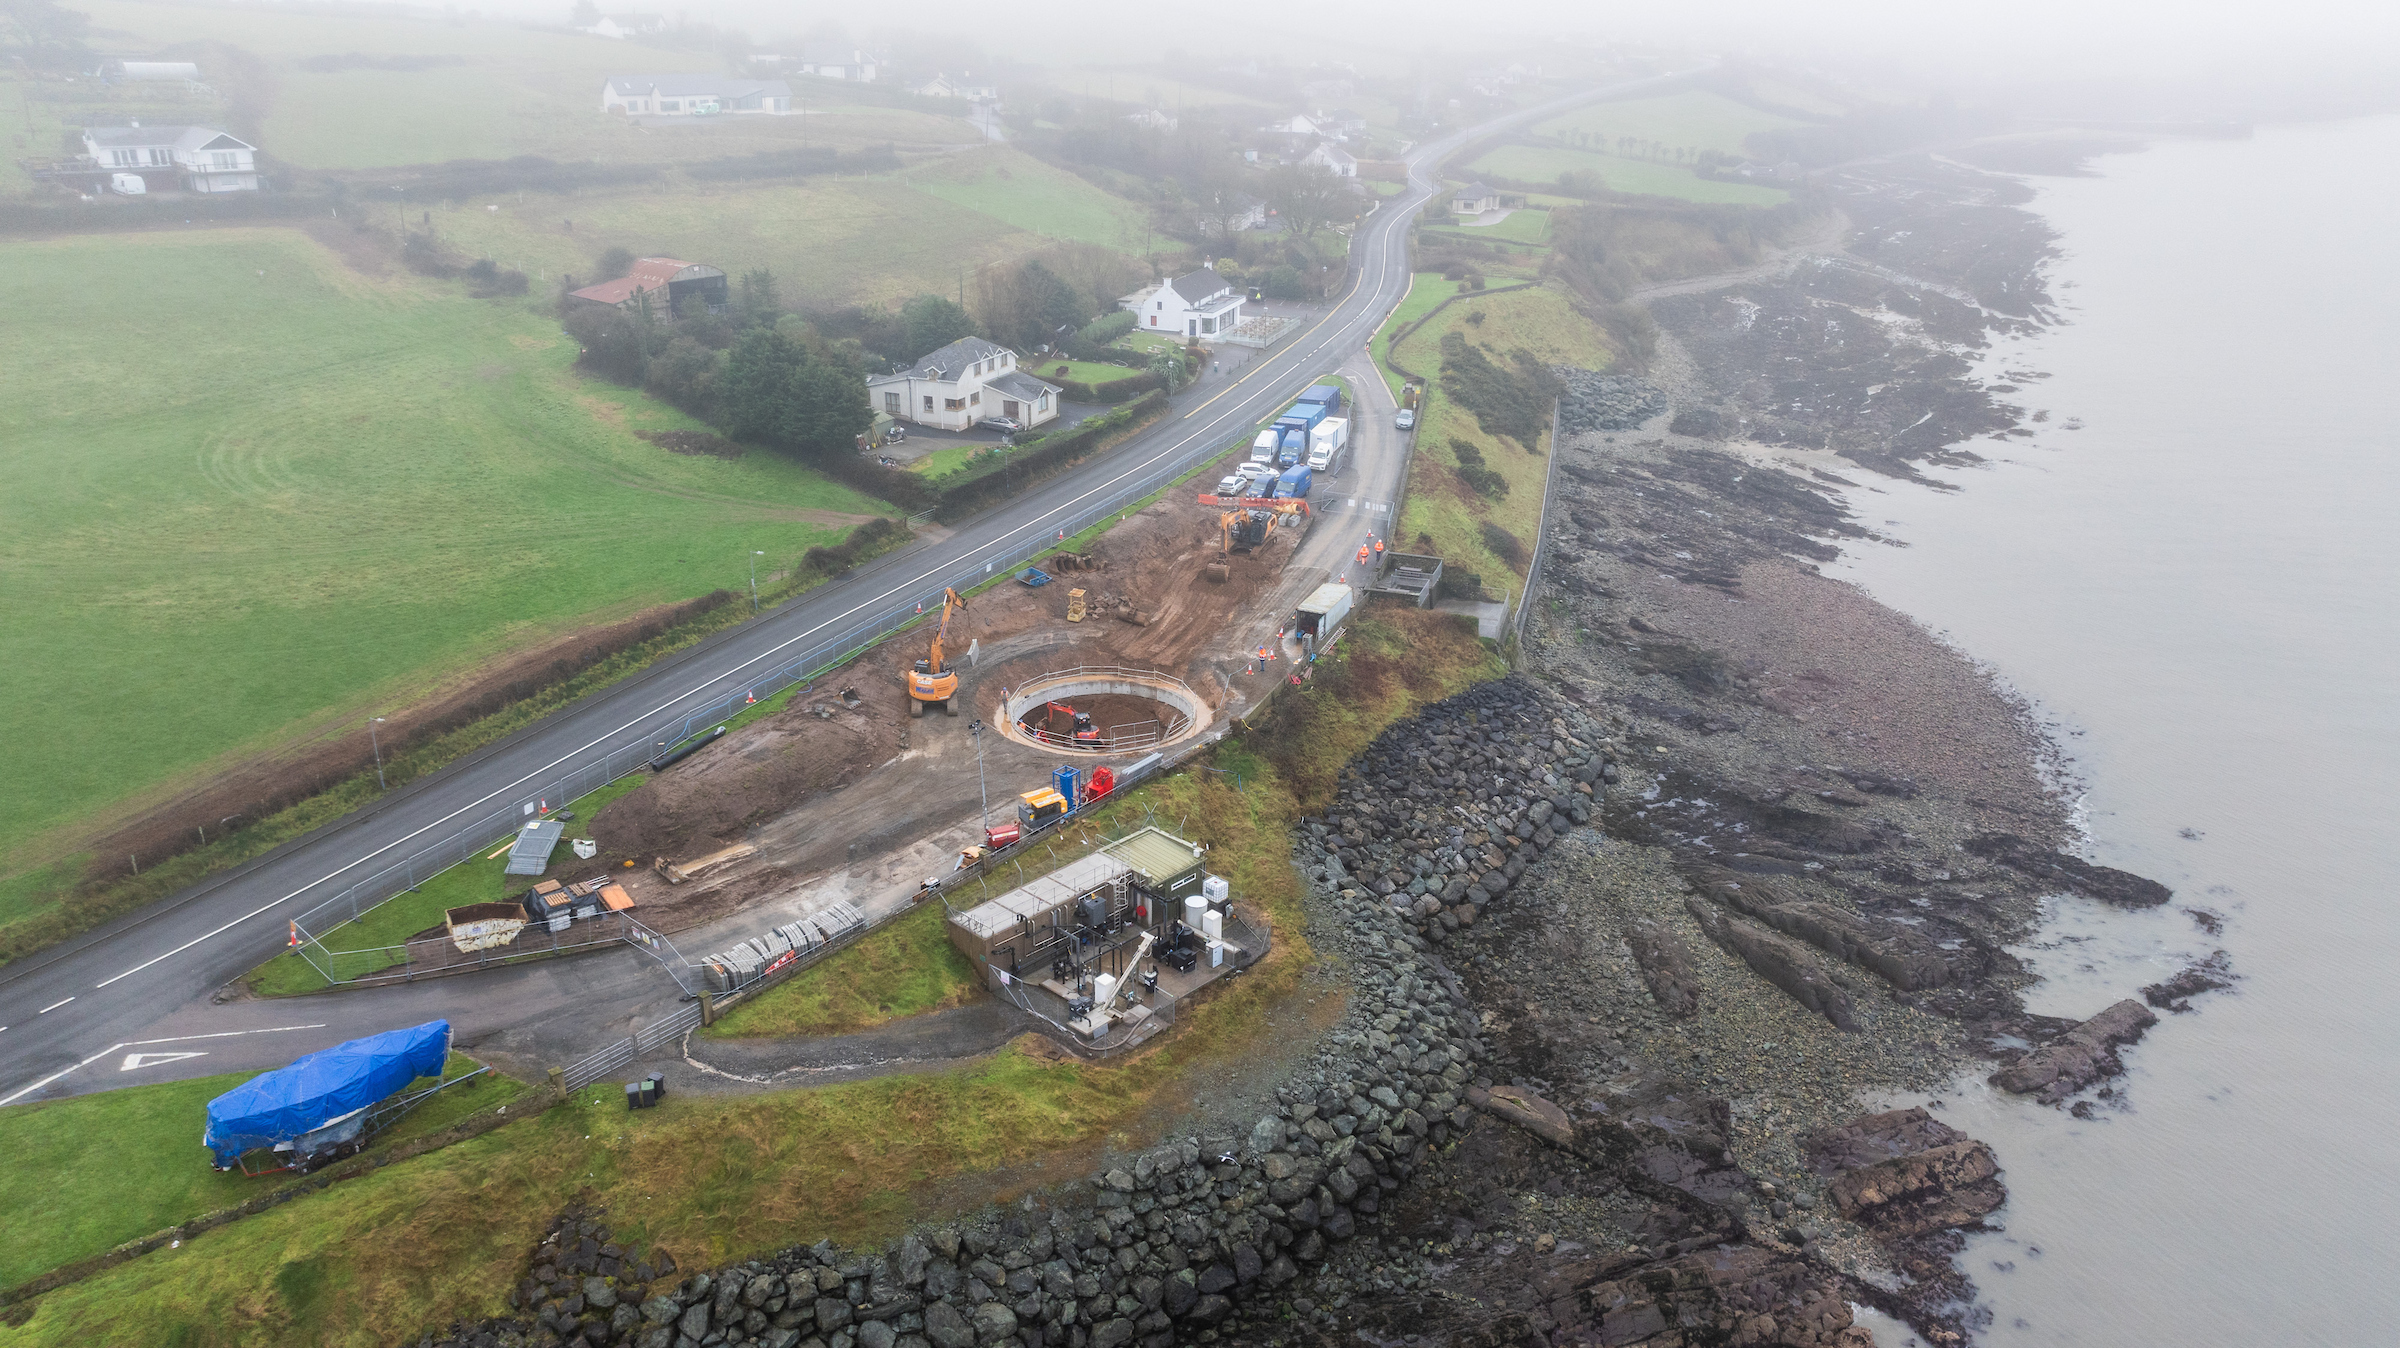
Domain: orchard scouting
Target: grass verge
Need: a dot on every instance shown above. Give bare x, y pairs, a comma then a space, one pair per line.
63, 1207
371, 941
906, 969
712, 1178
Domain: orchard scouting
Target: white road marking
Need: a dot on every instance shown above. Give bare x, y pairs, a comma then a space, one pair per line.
53, 1006
139, 1060
22, 1091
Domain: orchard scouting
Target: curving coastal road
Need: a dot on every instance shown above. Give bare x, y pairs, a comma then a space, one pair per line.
129, 1003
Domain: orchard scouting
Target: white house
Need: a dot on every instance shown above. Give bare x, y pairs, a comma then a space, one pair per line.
1474, 199
1152, 119
1294, 125
206, 159
961, 384
1199, 304
693, 95
627, 25
858, 67
1232, 212
942, 86
1331, 156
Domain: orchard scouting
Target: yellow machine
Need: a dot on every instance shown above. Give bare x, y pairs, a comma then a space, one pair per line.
932, 681
1254, 521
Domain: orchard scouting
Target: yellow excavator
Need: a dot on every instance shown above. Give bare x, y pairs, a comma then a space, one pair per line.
932, 682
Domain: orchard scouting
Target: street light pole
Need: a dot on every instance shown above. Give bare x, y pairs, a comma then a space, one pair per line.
377, 741
754, 580
975, 729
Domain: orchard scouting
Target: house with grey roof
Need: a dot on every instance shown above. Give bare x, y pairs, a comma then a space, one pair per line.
1198, 304
1474, 199
961, 384
196, 158
693, 95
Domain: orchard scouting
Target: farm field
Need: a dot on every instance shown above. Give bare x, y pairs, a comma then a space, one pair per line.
1425, 290
1522, 225
1694, 119
1544, 164
1020, 190
291, 496
65, 1208
829, 241
1439, 505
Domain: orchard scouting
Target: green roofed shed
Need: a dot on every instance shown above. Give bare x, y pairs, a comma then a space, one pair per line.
1166, 864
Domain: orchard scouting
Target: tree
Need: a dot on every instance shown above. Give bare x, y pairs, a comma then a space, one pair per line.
584, 15
613, 264
933, 323
770, 388
1303, 196
610, 341
43, 32
759, 304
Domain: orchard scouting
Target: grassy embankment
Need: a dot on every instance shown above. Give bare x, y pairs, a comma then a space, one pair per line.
1442, 515
63, 1207
906, 969
1425, 290
380, 1258
289, 497
1525, 226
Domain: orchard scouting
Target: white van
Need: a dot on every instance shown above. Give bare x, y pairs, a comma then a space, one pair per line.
1263, 449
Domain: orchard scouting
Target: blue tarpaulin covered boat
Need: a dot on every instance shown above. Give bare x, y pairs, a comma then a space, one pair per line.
328, 1092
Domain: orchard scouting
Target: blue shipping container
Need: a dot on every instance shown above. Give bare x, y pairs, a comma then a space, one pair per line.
1309, 414
1328, 396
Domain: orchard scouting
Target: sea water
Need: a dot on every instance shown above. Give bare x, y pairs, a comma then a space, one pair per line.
2199, 590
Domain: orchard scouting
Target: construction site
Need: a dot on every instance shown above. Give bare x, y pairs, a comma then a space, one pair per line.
919, 757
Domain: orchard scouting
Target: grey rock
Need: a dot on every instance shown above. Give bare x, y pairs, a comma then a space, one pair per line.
598, 1295
994, 1322
947, 1328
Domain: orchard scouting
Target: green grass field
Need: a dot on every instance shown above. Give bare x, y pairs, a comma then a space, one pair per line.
1691, 119
906, 969
1539, 320
63, 1207
287, 498
1425, 290
1022, 191
1544, 164
829, 241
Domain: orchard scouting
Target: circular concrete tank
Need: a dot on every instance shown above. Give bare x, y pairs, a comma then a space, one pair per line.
1180, 712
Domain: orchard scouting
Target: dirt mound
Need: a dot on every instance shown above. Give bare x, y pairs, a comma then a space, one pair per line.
757, 773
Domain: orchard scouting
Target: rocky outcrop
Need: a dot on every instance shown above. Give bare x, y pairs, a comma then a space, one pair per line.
2105, 883
1746, 1296
2079, 1057
1898, 955
1593, 401
2175, 994
1666, 965
1787, 964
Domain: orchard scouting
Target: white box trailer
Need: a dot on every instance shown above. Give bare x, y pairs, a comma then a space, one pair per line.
1327, 445
1324, 612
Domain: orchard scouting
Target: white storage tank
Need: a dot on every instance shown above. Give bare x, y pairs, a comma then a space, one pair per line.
1103, 988
1194, 908
1214, 889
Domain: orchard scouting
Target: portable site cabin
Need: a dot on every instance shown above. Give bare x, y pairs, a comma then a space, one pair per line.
1325, 611
1089, 911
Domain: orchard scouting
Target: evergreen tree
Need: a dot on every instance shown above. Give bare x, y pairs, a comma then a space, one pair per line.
933, 323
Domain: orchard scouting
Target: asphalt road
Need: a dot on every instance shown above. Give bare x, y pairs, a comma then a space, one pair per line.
130, 1003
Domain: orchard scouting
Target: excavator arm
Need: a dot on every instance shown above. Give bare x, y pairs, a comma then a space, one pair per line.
950, 602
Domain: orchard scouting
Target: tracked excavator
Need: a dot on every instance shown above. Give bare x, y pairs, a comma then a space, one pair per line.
1248, 526
931, 682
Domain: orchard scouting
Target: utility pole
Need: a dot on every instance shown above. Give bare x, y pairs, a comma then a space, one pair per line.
754, 580
377, 741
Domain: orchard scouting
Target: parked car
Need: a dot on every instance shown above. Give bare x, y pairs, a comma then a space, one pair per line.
1407, 420
1009, 424
1232, 484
